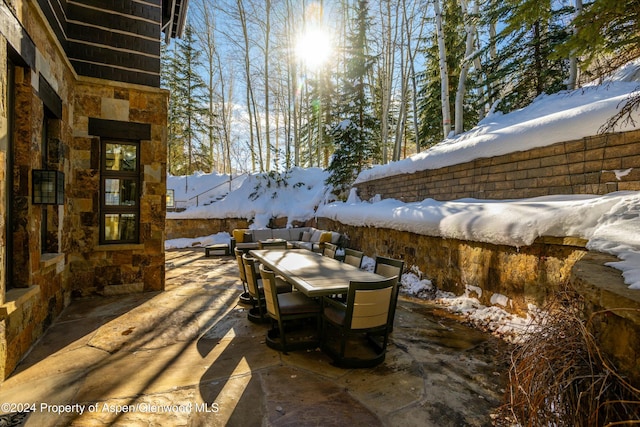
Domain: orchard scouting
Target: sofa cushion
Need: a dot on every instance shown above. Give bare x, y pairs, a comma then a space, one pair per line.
306, 236
281, 233
262, 234
303, 245
316, 236
335, 237
296, 233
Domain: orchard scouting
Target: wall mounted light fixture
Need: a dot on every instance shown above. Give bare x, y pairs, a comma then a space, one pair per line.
48, 187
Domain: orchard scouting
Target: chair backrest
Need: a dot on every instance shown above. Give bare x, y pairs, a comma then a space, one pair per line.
276, 244
330, 250
353, 257
270, 292
252, 279
369, 303
239, 254
388, 267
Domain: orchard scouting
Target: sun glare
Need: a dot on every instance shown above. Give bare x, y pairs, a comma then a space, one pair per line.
314, 48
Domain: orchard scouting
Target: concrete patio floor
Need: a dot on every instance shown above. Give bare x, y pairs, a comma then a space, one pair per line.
189, 357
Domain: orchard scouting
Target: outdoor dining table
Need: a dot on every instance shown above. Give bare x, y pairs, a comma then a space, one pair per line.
311, 273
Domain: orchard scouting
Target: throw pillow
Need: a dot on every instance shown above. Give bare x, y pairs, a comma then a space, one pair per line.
238, 234
325, 237
306, 236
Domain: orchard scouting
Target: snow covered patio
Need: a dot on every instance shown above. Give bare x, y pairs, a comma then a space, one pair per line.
189, 355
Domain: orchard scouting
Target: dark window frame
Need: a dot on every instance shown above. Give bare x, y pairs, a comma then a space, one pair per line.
106, 174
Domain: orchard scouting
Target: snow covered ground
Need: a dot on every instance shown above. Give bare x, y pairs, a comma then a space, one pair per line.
610, 223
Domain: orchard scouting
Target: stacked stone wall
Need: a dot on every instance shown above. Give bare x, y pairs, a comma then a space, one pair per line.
199, 227
37, 289
526, 275
107, 269
595, 165
190, 228
46, 274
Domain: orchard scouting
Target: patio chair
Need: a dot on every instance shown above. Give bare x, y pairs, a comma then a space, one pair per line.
388, 267
353, 257
366, 313
245, 297
276, 244
283, 308
258, 312
330, 250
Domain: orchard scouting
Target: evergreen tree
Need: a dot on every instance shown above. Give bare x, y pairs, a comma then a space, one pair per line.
523, 66
354, 135
607, 35
168, 79
315, 133
188, 110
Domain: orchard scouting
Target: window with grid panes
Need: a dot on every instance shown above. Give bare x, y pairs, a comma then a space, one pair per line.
120, 192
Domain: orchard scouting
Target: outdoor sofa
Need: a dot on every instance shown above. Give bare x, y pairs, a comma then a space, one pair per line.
309, 238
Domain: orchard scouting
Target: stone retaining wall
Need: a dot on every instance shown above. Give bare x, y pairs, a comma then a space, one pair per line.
526, 275
612, 309
190, 228
198, 227
594, 165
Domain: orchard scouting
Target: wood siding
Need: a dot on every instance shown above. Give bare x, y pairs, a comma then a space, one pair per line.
118, 40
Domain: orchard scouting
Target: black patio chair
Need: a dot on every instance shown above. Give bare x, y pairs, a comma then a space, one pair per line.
353, 257
245, 297
283, 309
389, 267
366, 314
258, 313
329, 250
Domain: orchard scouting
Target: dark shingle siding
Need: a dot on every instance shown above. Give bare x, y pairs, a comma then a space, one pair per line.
116, 40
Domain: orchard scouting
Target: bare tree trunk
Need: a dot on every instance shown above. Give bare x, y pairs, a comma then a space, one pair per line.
267, 35
470, 28
444, 74
385, 75
252, 109
207, 40
493, 54
414, 82
293, 133
227, 109
402, 114
225, 116
247, 72
573, 61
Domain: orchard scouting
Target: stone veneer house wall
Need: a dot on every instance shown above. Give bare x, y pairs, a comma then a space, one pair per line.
81, 99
